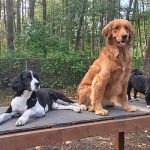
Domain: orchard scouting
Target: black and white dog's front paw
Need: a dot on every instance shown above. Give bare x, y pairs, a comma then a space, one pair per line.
82, 106
148, 106
76, 109
1, 118
21, 121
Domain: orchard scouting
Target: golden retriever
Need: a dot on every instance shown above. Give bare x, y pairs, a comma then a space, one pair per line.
108, 77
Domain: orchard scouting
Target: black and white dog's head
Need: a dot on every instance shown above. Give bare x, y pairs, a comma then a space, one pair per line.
26, 80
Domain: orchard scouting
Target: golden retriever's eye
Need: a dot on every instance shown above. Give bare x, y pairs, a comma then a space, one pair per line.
116, 28
126, 28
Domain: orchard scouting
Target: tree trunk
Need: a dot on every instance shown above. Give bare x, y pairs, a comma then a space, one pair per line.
4, 8
10, 18
53, 18
81, 20
129, 9
147, 59
0, 26
44, 10
22, 11
31, 9
144, 23
93, 30
18, 17
0, 9
134, 10
111, 10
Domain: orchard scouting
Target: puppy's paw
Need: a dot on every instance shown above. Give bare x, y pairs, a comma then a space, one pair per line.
101, 112
21, 121
76, 109
130, 108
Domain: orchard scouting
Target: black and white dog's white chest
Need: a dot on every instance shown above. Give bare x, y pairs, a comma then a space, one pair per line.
23, 102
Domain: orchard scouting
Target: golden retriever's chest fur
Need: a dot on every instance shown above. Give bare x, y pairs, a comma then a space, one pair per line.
119, 75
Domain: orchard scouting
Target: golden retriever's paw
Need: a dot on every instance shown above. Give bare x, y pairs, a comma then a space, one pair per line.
101, 112
130, 108
91, 108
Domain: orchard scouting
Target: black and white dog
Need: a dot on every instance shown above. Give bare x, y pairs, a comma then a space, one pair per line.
31, 101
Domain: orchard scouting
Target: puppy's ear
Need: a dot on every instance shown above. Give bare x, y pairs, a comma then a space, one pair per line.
17, 84
107, 30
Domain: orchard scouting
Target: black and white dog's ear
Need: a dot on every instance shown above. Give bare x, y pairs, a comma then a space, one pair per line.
17, 84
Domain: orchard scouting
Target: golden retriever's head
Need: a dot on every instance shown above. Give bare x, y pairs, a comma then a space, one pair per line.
119, 32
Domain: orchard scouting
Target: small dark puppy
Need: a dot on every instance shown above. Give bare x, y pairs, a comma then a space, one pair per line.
134, 72
141, 84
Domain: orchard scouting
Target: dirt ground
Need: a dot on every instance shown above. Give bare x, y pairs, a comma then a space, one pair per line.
135, 140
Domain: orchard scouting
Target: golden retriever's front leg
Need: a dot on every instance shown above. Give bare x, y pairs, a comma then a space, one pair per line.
97, 93
124, 102
123, 97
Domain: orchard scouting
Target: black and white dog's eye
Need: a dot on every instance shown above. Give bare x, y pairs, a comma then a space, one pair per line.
36, 76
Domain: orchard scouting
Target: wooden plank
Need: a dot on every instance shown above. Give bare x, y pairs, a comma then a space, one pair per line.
55, 135
119, 141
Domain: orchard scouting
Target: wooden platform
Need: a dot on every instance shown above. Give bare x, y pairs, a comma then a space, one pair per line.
62, 125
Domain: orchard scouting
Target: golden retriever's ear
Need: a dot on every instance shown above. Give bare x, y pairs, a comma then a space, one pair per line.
107, 30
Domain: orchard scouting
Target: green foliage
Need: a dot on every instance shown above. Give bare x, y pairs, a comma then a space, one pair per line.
59, 70
37, 38
137, 63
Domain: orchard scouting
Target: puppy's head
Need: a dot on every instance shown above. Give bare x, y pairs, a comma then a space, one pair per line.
136, 72
26, 80
119, 32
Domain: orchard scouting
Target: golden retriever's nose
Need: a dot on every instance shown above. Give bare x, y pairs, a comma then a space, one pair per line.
124, 37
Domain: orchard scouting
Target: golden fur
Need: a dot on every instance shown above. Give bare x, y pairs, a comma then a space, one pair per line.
108, 77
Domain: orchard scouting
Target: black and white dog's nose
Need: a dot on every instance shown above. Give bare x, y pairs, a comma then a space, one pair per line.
37, 84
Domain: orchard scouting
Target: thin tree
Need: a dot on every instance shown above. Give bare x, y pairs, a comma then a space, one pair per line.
134, 10
147, 58
0, 8
144, 22
93, 28
111, 6
0, 26
18, 17
81, 20
129, 9
4, 9
44, 10
10, 19
31, 9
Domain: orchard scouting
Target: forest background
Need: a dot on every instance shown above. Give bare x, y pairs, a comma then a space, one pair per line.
61, 38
